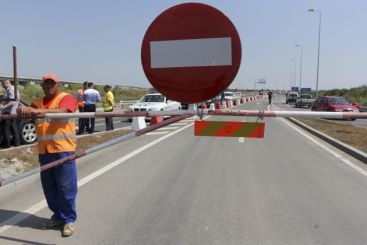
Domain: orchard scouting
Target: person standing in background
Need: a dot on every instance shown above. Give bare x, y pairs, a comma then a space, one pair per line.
10, 108
91, 97
83, 123
270, 96
108, 103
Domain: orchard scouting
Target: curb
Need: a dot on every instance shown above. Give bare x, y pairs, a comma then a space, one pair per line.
361, 156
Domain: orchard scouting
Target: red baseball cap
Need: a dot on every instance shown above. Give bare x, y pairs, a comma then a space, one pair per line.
51, 76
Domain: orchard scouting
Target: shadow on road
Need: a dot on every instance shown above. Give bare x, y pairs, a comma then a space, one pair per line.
26, 220
21, 241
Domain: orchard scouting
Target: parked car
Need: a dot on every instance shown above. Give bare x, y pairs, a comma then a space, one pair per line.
304, 100
26, 128
154, 102
228, 95
333, 103
291, 96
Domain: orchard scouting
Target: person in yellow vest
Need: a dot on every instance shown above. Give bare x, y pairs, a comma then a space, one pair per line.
56, 140
108, 103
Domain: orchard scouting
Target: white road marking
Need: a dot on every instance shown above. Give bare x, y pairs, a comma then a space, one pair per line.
167, 128
178, 124
157, 133
241, 140
323, 146
42, 204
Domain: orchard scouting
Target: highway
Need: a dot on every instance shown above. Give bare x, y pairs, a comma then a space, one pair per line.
100, 124
170, 187
279, 101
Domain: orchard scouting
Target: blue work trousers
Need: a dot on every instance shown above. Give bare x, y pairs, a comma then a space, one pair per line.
60, 187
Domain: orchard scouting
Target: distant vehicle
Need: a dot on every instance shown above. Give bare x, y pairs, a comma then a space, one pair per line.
154, 102
333, 103
213, 101
228, 95
26, 127
291, 96
304, 100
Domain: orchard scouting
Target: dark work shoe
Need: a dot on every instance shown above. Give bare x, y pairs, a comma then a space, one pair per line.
51, 224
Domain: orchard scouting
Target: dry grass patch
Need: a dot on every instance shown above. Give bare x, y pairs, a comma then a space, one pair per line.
349, 134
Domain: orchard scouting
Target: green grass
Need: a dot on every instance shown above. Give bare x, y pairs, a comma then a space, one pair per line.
358, 94
29, 92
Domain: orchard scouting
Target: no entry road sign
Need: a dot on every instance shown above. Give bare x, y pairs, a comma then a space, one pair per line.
191, 52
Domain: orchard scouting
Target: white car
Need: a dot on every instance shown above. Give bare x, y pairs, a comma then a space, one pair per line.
155, 102
231, 95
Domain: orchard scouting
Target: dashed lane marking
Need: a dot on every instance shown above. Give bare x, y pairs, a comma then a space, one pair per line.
178, 124
158, 133
167, 128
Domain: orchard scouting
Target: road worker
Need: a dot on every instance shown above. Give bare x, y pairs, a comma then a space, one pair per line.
56, 140
108, 103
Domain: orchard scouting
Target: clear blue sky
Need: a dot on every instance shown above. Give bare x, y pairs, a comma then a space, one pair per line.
100, 40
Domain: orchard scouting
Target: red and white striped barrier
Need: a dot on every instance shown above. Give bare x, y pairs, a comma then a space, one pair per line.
227, 112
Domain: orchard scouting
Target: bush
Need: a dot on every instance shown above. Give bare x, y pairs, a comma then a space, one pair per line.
358, 94
30, 92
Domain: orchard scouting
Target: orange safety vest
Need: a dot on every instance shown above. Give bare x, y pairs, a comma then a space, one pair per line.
54, 135
80, 101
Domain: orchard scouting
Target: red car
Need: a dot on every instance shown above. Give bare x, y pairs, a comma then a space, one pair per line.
333, 103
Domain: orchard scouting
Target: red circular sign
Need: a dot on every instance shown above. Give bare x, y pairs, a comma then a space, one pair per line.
191, 52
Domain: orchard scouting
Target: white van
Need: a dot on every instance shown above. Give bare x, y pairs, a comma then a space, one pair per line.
291, 97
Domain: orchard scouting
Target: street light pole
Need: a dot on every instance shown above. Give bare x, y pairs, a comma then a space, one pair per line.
290, 70
295, 72
318, 51
300, 67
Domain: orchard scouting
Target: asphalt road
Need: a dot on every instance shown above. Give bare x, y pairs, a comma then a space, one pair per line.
170, 187
118, 122
279, 101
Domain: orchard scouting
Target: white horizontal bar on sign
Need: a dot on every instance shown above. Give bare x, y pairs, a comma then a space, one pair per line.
191, 53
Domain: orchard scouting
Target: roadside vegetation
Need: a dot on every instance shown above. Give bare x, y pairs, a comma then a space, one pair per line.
31, 91
358, 94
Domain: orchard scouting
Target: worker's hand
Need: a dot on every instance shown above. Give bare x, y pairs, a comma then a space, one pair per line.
28, 111
2, 106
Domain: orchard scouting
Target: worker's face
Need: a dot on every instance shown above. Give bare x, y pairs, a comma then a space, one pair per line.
5, 85
50, 88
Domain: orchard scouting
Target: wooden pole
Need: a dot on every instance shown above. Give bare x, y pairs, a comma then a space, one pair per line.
15, 72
